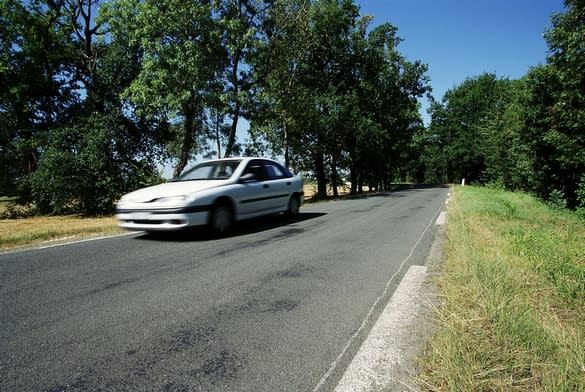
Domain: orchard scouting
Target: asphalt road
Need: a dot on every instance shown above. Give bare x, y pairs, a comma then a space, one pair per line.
276, 306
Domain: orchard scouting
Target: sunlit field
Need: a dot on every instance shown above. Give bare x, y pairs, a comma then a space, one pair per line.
15, 233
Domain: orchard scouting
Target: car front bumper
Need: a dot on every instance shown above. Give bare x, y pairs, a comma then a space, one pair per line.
161, 220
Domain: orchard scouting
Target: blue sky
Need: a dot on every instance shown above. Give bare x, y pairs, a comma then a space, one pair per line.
464, 38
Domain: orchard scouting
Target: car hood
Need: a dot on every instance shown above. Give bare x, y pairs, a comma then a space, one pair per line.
170, 189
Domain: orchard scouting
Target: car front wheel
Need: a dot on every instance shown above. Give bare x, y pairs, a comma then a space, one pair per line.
222, 219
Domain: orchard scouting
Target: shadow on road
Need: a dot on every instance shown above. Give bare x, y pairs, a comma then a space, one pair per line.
249, 226
393, 192
266, 223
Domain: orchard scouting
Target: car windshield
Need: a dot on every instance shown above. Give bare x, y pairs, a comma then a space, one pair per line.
213, 170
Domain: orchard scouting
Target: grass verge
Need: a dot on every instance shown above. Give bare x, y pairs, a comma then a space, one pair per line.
16, 233
512, 315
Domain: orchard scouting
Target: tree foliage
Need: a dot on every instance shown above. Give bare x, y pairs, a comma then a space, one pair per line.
522, 134
37, 91
555, 128
474, 133
68, 137
339, 99
94, 94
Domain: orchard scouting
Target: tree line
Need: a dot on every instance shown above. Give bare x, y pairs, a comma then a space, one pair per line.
95, 94
526, 134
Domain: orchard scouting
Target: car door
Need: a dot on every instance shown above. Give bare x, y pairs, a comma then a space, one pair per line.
255, 194
280, 183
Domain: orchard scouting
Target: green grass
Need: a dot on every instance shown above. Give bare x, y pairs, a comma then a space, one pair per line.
512, 315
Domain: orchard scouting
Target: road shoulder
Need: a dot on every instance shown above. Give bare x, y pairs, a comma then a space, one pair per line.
387, 361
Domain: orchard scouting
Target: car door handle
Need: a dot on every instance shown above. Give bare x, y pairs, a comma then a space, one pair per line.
288, 183
265, 186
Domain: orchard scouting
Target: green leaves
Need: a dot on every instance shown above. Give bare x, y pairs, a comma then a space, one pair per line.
526, 134
476, 132
555, 126
105, 87
339, 99
85, 168
178, 52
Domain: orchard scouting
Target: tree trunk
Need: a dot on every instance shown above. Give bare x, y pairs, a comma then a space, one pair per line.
286, 153
320, 174
232, 136
236, 113
334, 177
187, 143
218, 122
353, 171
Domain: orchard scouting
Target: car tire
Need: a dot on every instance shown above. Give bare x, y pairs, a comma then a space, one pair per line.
294, 205
221, 219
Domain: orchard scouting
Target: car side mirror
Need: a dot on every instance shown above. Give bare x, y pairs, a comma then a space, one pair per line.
248, 177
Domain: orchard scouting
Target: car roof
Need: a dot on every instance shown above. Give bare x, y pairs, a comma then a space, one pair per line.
246, 159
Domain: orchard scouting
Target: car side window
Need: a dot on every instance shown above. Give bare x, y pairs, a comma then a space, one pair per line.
273, 172
276, 171
257, 169
223, 171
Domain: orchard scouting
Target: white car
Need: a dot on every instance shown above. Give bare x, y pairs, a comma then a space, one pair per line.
215, 193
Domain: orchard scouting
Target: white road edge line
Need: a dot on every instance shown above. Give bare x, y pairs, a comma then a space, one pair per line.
382, 353
442, 219
353, 337
84, 240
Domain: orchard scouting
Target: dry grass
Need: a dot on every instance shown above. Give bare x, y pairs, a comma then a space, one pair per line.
15, 233
310, 190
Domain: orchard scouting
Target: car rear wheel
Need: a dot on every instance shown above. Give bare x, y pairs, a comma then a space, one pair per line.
294, 206
222, 219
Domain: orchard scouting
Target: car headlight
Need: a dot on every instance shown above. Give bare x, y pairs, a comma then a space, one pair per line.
171, 200
124, 199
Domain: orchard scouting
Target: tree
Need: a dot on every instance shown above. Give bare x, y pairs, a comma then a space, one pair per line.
508, 158
470, 132
37, 90
326, 75
336, 97
390, 87
181, 60
65, 121
84, 169
276, 70
555, 128
241, 22
303, 90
